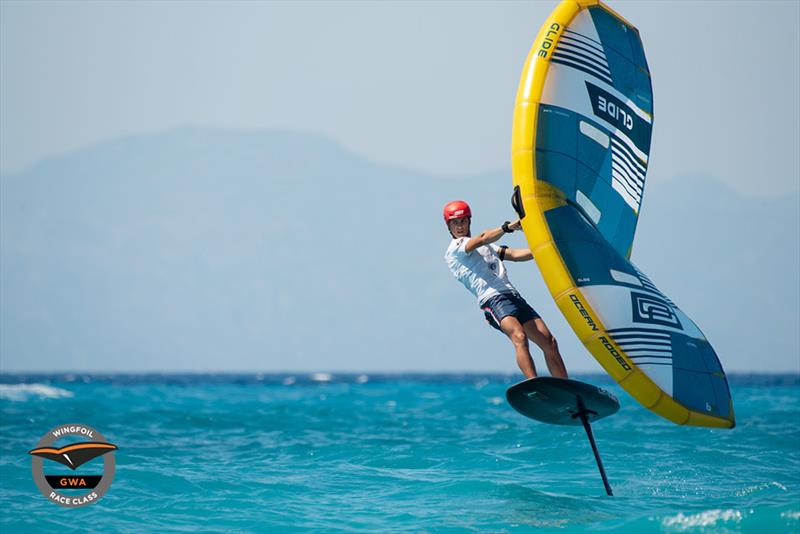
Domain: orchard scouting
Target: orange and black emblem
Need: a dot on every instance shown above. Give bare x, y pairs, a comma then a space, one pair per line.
75, 455
91, 486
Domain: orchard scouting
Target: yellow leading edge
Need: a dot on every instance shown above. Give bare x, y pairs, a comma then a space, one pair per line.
538, 196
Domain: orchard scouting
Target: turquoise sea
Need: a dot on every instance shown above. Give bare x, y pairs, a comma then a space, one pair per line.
414, 452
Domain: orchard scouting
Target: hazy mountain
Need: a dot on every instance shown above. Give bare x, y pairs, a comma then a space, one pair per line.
207, 249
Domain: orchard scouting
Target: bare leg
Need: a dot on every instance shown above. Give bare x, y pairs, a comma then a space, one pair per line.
538, 332
516, 333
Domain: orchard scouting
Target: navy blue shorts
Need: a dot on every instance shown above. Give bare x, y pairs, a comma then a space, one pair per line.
505, 304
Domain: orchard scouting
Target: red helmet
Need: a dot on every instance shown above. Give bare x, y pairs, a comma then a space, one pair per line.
456, 209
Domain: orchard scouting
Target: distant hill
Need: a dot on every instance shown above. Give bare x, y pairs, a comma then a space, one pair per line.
201, 249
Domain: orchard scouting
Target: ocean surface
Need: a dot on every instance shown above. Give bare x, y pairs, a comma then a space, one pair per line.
415, 452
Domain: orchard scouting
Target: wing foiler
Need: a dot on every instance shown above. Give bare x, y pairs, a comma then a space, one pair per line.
581, 141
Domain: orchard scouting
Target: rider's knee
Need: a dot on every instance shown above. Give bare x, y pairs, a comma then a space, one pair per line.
518, 337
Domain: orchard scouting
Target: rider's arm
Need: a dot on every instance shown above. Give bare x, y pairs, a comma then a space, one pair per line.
518, 254
489, 236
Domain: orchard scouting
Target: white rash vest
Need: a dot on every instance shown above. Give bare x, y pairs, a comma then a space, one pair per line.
481, 271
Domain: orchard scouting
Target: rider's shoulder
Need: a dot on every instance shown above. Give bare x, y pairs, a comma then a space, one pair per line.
457, 245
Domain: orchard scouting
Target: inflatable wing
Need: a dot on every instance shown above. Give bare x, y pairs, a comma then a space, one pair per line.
581, 141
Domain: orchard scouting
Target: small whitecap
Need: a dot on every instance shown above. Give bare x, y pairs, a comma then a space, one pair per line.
362, 379
321, 377
548, 523
759, 487
495, 400
391, 403
708, 518
22, 392
289, 380
260, 377
791, 515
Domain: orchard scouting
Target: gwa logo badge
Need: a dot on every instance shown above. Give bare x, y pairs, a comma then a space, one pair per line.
649, 309
73, 455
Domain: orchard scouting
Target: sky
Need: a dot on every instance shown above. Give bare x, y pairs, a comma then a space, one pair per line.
428, 86
423, 86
